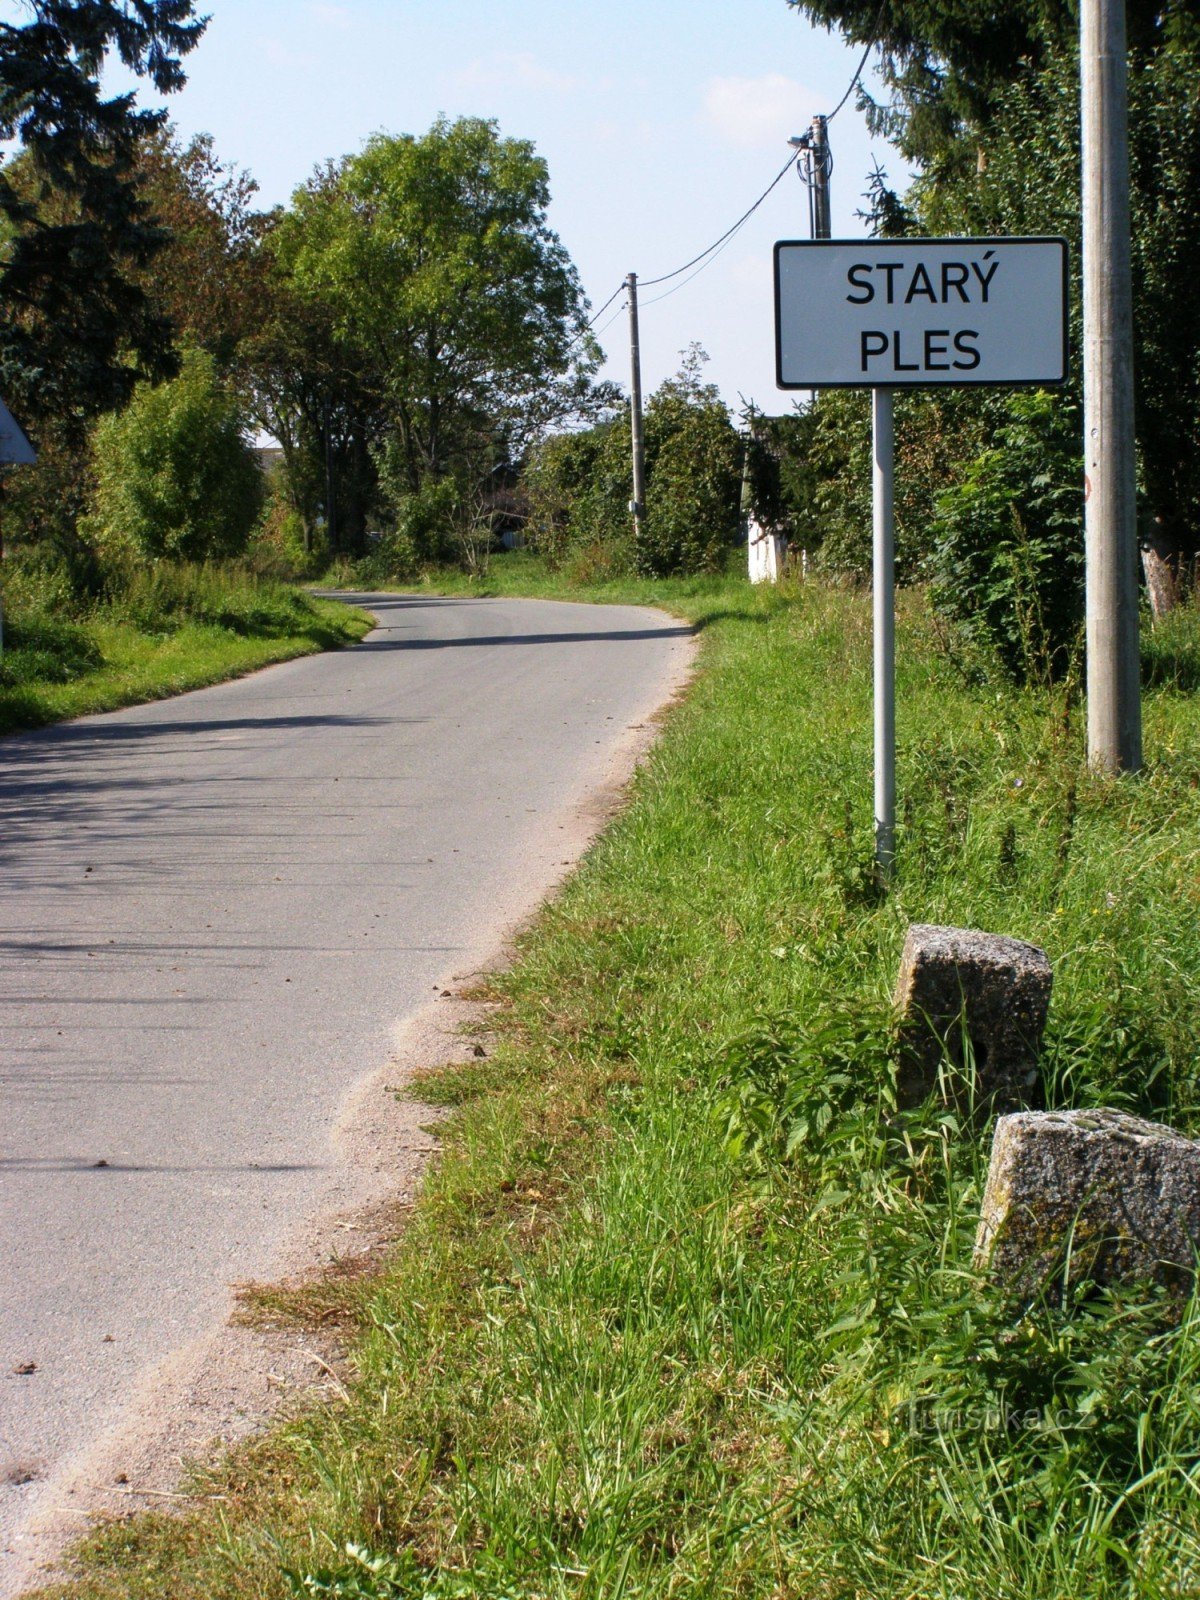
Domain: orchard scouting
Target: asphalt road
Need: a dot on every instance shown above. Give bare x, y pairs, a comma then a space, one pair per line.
213, 911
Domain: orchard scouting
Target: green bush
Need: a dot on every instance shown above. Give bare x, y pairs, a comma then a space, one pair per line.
824, 466
421, 524
42, 649
426, 525
279, 548
44, 512
693, 459
393, 560
580, 486
175, 477
37, 580
1007, 541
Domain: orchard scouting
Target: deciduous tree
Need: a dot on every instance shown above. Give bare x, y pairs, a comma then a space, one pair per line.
442, 283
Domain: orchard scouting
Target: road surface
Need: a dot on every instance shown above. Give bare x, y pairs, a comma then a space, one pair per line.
213, 912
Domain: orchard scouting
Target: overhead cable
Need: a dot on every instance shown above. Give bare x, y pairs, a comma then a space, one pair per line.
613, 318
596, 318
667, 293
871, 43
648, 283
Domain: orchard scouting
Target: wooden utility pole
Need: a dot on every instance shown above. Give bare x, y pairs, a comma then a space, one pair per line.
1110, 518
638, 506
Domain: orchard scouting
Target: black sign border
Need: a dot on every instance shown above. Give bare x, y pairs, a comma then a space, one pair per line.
925, 383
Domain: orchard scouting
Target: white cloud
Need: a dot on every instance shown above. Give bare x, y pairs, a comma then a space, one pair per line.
514, 69
752, 112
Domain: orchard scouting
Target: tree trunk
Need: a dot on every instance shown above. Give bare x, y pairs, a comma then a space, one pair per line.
1162, 564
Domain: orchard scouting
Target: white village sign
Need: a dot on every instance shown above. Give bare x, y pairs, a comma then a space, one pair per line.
920, 311
883, 314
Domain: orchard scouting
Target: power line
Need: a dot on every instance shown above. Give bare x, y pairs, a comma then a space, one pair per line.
871, 43
620, 309
596, 318
710, 254
648, 283
853, 81
590, 325
667, 293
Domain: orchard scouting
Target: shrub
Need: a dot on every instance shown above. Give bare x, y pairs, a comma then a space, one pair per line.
824, 466
44, 507
166, 596
579, 487
175, 477
426, 525
394, 559
693, 470
39, 648
279, 547
37, 580
1007, 555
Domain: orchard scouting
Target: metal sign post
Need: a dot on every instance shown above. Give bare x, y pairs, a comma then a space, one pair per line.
883, 596
884, 314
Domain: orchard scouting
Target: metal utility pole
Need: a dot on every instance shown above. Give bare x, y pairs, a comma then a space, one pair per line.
816, 165
1110, 517
821, 164
638, 506
330, 508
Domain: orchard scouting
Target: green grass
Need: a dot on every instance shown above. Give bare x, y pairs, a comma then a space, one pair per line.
630, 1346
165, 630
524, 574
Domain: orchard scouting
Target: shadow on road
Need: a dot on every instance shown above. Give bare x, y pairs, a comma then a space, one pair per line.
105, 1169
102, 732
614, 636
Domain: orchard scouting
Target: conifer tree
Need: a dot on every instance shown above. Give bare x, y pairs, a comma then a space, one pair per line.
76, 329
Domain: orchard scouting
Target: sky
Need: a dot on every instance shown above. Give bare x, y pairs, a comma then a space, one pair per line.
661, 123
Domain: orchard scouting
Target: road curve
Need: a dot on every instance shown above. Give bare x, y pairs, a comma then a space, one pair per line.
213, 912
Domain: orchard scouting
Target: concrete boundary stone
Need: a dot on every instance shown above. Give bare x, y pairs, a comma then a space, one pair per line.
1097, 1195
963, 991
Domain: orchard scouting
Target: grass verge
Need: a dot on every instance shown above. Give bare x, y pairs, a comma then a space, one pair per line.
675, 1315
166, 630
